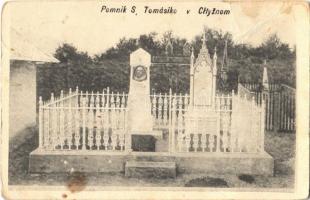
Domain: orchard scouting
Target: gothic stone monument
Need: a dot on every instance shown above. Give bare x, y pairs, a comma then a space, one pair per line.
203, 78
203, 91
139, 103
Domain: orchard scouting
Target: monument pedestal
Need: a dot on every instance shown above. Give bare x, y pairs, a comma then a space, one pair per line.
145, 141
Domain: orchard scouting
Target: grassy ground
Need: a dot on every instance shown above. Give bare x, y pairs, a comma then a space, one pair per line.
280, 145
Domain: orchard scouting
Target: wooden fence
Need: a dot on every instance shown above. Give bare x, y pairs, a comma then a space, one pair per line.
280, 104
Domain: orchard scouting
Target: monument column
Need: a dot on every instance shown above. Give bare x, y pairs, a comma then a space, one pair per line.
139, 103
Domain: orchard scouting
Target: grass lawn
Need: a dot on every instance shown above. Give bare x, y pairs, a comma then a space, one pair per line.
280, 145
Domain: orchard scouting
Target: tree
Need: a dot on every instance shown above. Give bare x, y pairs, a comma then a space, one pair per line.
111, 68
125, 46
273, 48
148, 42
67, 53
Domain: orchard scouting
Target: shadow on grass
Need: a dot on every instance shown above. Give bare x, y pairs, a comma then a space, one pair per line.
246, 178
207, 182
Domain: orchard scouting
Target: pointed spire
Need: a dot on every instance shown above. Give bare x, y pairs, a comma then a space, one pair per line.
192, 53
214, 62
215, 54
204, 39
169, 47
224, 66
204, 53
192, 60
225, 58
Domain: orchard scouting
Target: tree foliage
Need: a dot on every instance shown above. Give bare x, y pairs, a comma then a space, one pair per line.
111, 68
69, 54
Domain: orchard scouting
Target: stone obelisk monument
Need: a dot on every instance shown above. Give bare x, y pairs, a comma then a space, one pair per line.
139, 103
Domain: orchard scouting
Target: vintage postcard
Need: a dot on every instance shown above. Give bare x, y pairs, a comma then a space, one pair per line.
155, 99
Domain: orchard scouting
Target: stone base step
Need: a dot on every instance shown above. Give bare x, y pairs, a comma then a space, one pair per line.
143, 169
56, 161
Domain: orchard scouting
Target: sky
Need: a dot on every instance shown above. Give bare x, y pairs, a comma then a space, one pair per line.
47, 25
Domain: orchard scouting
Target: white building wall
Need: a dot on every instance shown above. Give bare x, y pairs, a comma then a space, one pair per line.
22, 98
